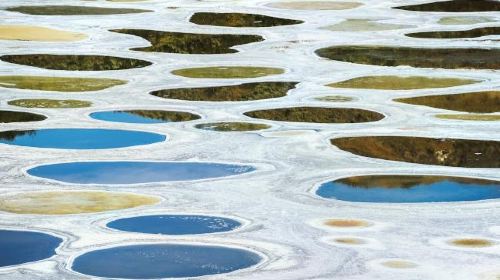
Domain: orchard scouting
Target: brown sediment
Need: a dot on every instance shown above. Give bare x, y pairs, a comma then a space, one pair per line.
38, 33
72, 202
472, 242
315, 5
474, 102
15, 116
471, 33
232, 126
401, 82
239, 20
422, 150
228, 72
399, 264
346, 223
61, 84
317, 115
349, 240
66, 10
455, 6
49, 103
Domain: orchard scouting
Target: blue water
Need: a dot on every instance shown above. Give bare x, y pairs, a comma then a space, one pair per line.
76, 138
174, 224
134, 172
445, 190
17, 247
125, 117
163, 261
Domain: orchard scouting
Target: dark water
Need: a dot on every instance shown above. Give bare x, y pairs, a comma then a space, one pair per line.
232, 126
190, 43
79, 138
17, 247
471, 33
451, 58
240, 20
409, 189
317, 115
15, 116
163, 261
433, 151
455, 6
144, 116
175, 224
75, 62
134, 172
473, 102
66, 10
242, 92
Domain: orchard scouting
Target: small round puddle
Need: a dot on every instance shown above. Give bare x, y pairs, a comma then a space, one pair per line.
144, 116
76, 138
62, 84
239, 20
474, 102
135, 172
346, 223
455, 6
232, 126
472, 243
75, 62
175, 224
20, 247
409, 189
401, 83
228, 72
153, 261
317, 115
399, 264
15, 116
422, 150
67, 10
50, 103
315, 5
72, 202
242, 92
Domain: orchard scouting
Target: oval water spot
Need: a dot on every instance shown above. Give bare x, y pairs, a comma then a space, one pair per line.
153, 261
67, 10
144, 116
79, 138
228, 72
175, 224
455, 6
471, 33
232, 126
38, 34
20, 247
239, 20
75, 62
61, 84
360, 25
135, 172
50, 103
401, 82
409, 189
317, 115
422, 150
15, 116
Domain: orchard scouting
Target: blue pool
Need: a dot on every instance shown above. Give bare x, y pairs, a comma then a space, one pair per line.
79, 138
134, 172
144, 116
409, 189
175, 224
154, 261
17, 247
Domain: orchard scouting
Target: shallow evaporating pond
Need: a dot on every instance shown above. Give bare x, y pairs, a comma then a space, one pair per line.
54, 10
135, 172
471, 33
401, 82
455, 6
228, 72
190, 43
434, 151
175, 224
19, 247
451, 58
15, 116
62, 84
75, 62
242, 92
144, 116
151, 261
409, 189
232, 126
474, 102
317, 115
50, 103
239, 20
79, 138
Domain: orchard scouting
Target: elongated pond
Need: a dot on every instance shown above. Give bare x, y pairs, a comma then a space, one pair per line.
15, 116
135, 172
144, 116
317, 115
409, 189
152, 261
19, 247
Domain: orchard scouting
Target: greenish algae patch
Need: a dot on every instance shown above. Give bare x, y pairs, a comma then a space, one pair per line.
365, 25
472, 242
474, 102
63, 10
15, 116
49, 103
335, 98
75, 62
315, 5
228, 72
317, 115
72, 202
469, 117
447, 58
242, 92
455, 6
62, 84
401, 83
464, 20
423, 150
38, 33
232, 126
471, 33
190, 43
239, 20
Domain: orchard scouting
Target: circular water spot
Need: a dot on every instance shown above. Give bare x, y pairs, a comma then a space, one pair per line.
175, 224
144, 116
135, 172
399, 264
228, 72
472, 242
72, 202
15, 116
163, 261
79, 138
20, 247
232, 126
346, 223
